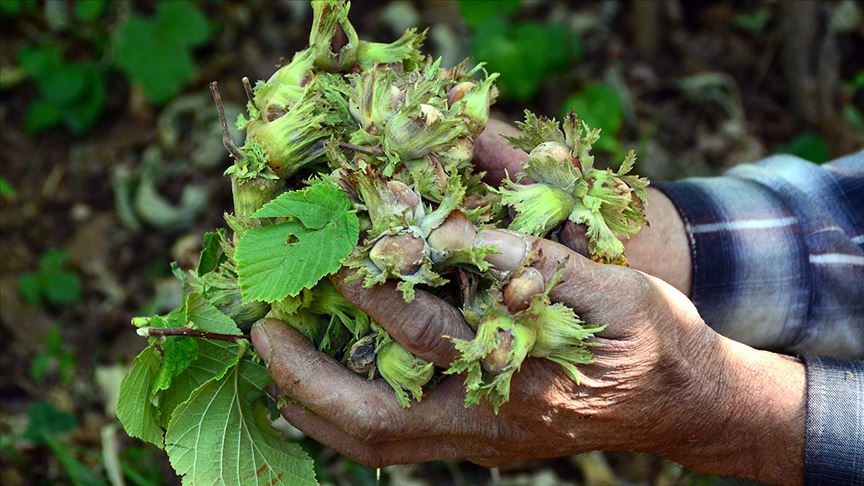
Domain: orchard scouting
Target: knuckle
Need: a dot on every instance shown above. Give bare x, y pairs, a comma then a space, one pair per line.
424, 332
366, 427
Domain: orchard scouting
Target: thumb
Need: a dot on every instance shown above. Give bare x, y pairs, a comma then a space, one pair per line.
494, 154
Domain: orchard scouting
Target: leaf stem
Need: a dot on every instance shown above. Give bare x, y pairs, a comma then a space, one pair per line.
185, 331
226, 135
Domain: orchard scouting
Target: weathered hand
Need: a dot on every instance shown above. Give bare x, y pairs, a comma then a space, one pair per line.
663, 382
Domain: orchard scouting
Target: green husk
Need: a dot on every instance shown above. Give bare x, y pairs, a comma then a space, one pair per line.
403, 371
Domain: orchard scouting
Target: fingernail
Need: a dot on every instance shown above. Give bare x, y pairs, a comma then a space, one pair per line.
512, 248
261, 341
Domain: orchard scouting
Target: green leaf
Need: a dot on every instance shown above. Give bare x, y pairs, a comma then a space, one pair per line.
278, 261
51, 282
214, 359
62, 288
211, 252
314, 206
30, 288
524, 53
14, 7
475, 12
178, 352
43, 420
808, 146
7, 191
223, 435
38, 60
600, 106
204, 316
134, 408
155, 52
88, 10
69, 93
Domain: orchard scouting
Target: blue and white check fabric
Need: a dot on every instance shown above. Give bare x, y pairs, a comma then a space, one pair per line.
777, 252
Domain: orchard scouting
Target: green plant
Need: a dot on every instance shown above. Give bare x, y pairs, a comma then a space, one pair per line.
525, 53
47, 426
70, 93
600, 106
53, 359
51, 282
808, 146
156, 52
14, 7
7, 191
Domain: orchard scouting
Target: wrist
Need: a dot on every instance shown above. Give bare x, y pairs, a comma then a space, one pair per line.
743, 415
661, 249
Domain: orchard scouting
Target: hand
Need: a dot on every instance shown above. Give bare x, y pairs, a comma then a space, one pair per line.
660, 249
663, 382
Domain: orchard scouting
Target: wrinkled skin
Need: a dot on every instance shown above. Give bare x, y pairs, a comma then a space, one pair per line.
663, 382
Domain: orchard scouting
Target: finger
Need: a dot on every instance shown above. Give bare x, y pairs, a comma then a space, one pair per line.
494, 154
594, 291
322, 384
418, 325
575, 237
373, 452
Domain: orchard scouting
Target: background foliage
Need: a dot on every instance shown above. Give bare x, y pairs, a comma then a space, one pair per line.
111, 166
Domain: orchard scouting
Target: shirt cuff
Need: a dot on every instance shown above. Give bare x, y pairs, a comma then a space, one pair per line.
834, 444
750, 277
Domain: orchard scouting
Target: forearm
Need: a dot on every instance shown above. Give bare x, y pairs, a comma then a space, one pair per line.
745, 416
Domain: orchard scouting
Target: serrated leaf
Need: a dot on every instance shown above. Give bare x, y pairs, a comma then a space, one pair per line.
211, 251
204, 316
177, 353
314, 206
222, 435
134, 408
279, 261
214, 359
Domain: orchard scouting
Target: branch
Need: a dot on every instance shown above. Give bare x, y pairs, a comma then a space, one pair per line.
226, 135
362, 150
185, 331
248, 87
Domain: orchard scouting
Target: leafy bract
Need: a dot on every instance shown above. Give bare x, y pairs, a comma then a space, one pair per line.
278, 261
135, 410
223, 435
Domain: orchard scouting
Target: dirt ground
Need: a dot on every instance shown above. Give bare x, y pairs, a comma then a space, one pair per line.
703, 86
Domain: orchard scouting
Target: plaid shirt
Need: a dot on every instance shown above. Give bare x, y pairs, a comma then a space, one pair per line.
778, 263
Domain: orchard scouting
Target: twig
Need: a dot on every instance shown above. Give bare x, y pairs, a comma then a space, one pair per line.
226, 135
362, 150
248, 87
185, 331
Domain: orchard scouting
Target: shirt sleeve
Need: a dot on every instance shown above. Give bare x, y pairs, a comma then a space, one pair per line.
777, 253
834, 444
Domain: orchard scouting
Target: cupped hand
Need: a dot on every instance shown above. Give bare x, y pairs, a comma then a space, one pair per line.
662, 381
651, 355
